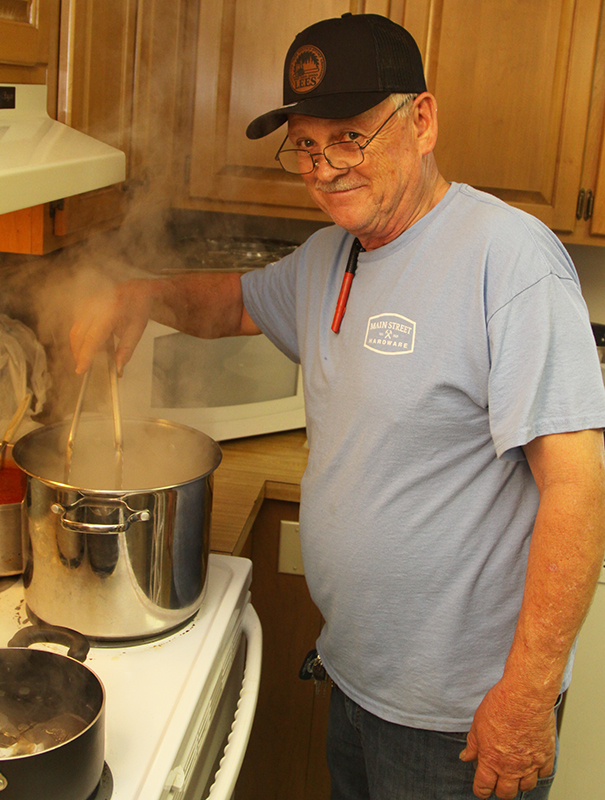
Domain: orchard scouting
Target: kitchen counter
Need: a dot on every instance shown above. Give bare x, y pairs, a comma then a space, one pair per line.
252, 470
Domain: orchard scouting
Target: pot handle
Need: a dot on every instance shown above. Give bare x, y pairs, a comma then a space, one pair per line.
71, 522
76, 642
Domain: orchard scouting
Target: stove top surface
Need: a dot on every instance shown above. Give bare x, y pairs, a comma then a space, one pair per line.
152, 689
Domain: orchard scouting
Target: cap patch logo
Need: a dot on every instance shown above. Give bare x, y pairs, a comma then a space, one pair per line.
307, 68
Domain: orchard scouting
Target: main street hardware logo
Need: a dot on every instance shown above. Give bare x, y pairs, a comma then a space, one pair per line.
307, 68
390, 334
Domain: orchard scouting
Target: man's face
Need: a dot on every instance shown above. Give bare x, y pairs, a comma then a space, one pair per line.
375, 200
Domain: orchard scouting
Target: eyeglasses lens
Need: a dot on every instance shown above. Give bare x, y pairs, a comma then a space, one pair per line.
341, 155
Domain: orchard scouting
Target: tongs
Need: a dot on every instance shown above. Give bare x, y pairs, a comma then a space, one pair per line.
117, 417
115, 408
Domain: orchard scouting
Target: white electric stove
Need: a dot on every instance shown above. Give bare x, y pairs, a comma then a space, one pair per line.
178, 709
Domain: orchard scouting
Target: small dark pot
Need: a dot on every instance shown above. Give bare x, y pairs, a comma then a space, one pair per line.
36, 685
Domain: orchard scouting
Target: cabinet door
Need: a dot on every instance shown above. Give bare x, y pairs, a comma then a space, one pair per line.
285, 759
119, 84
590, 216
513, 83
94, 94
597, 227
24, 31
96, 97
29, 42
96, 68
240, 54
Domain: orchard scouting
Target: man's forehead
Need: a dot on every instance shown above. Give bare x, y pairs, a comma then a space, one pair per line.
300, 121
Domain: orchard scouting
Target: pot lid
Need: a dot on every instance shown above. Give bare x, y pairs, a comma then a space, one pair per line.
42, 160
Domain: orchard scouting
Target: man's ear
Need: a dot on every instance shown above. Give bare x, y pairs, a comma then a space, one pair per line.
424, 119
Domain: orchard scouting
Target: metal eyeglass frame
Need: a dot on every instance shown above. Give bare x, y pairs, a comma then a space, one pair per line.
313, 156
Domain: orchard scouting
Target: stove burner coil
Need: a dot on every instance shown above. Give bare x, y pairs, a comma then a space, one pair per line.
104, 790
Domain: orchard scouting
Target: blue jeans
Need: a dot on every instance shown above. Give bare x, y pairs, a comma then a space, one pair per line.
371, 759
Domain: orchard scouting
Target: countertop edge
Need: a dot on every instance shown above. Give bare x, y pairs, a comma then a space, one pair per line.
252, 470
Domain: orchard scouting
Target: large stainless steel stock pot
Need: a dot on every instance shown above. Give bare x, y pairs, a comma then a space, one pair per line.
120, 562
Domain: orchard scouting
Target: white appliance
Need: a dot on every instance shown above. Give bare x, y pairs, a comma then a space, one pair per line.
179, 709
43, 160
227, 388
581, 768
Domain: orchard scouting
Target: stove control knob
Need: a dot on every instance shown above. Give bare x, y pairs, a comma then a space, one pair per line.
175, 780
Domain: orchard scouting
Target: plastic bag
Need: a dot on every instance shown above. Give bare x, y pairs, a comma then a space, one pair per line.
23, 368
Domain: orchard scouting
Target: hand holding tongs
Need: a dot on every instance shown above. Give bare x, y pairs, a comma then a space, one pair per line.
117, 418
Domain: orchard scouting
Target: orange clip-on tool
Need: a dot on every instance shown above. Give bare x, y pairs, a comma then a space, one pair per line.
347, 280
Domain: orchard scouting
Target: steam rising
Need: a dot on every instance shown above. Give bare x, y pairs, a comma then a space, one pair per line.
48, 293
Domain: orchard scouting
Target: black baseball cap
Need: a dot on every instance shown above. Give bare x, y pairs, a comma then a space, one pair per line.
341, 67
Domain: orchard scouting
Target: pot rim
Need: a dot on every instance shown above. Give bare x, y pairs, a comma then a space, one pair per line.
21, 443
100, 713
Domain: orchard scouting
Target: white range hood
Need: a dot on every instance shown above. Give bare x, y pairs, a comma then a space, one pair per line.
43, 160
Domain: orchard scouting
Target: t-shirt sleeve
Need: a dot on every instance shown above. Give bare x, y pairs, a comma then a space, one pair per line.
270, 299
545, 375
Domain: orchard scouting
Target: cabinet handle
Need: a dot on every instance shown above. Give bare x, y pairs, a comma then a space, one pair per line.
580, 204
589, 205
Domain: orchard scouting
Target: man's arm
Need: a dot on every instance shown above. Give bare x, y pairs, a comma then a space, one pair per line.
209, 305
513, 733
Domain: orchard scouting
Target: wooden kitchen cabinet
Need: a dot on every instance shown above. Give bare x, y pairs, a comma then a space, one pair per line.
513, 80
28, 39
29, 44
596, 222
95, 96
237, 75
29, 53
116, 77
91, 89
589, 225
120, 66
285, 759
514, 83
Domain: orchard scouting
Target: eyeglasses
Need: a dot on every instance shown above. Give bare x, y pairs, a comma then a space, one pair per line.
340, 155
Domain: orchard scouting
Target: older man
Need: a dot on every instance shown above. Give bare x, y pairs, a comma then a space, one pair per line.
453, 509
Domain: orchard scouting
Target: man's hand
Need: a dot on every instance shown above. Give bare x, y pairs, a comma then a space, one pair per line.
123, 311
512, 743
208, 305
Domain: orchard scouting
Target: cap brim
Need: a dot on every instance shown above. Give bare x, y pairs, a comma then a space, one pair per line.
334, 106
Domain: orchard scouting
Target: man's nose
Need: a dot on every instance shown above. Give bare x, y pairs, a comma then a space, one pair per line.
323, 170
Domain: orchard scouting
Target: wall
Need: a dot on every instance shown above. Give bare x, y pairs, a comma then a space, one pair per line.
590, 264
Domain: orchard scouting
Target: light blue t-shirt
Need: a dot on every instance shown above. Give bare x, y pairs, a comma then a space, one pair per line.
463, 339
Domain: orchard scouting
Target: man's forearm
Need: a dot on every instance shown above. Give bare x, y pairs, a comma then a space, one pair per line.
208, 305
512, 737
564, 562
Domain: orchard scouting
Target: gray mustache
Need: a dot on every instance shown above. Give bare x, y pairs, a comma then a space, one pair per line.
337, 185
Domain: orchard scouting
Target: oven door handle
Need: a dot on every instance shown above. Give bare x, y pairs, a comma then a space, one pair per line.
237, 742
